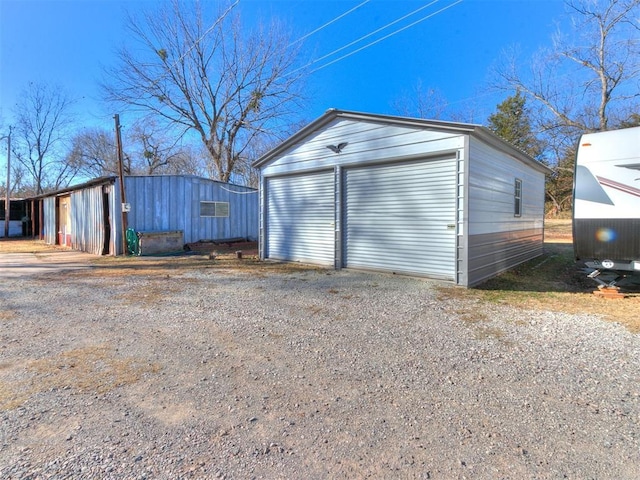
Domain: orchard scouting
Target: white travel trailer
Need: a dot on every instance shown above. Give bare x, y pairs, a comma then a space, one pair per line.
606, 208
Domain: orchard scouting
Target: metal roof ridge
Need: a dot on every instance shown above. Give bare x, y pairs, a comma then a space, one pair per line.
477, 130
333, 113
112, 179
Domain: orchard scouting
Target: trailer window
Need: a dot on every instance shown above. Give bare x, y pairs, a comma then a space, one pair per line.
517, 204
214, 209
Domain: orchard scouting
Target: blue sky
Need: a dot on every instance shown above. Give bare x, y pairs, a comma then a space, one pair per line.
67, 43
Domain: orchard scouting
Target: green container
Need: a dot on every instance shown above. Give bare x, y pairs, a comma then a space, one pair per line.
133, 242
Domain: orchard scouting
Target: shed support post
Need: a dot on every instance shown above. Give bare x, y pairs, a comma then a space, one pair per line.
123, 197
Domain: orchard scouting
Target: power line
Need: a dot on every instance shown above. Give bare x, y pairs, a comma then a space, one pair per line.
194, 44
237, 192
387, 36
328, 23
370, 34
206, 32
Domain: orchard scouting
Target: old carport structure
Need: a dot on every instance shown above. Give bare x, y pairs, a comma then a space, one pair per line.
87, 217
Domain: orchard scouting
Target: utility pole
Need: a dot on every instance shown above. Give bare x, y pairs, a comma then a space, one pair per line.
123, 197
7, 199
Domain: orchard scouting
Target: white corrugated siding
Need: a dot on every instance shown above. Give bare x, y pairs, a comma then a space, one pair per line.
366, 141
497, 239
87, 220
301, 215
401, 218
49, 230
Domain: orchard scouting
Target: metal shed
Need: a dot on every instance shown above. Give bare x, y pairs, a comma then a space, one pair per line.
87, 217
16, 225
443, 200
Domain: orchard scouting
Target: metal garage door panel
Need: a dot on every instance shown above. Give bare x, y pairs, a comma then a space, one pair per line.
301, 218
402, 217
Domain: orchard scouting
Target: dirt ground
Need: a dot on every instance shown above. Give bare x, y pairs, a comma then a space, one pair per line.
558, 231
553, 281
227, 368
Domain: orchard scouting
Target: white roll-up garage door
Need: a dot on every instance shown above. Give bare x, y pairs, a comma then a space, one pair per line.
401, 218
301, 218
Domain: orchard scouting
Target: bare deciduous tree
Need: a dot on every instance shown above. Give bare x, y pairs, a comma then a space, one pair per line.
93, 152
155, 151
147, 150
587, 81
208, 77
430, 103
421, 103
39, 140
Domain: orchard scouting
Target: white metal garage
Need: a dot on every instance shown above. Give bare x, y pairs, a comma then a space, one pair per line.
438, 199
407, 211
300, 213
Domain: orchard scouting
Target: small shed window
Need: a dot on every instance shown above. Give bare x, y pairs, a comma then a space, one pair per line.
214, 209
517, 206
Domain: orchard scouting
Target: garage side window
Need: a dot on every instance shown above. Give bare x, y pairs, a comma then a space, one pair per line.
517, 204
214, 209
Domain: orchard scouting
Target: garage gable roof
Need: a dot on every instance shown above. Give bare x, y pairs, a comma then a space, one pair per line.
478, 131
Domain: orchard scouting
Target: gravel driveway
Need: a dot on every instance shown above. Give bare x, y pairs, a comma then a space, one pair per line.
17, 265
207, 373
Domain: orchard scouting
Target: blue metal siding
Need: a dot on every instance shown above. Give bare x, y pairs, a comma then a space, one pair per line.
158, 203
87, 213
172, 202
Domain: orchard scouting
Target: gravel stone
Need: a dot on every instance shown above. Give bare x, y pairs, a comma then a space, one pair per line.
311, 374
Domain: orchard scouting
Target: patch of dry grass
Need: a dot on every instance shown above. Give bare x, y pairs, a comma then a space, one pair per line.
93, 369
315, 309
624, 311
558, 230
152, 295
552, 282
178, 265
21, 245
477, 321
484, 332
7, 314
